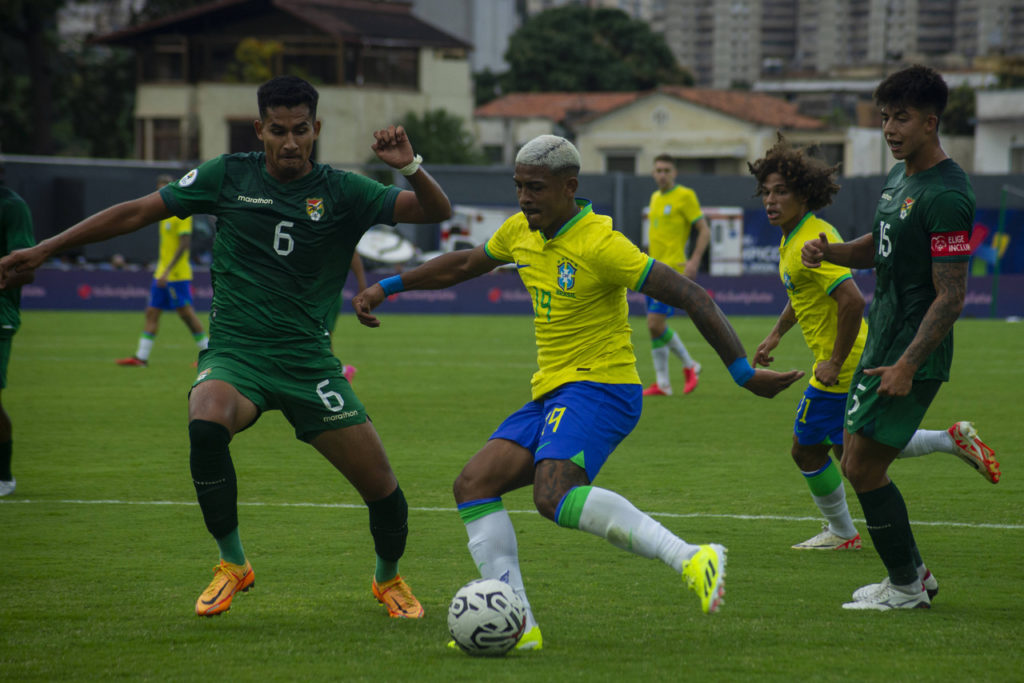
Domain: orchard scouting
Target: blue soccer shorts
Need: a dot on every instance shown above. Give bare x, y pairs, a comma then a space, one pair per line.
819, 417
579, 421
174, 296
655, 306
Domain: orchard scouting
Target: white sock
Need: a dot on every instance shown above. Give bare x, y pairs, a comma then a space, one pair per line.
834, 508
927, 441
660, 356
613, 518
145, 346
492, 543
678, 348
203, 342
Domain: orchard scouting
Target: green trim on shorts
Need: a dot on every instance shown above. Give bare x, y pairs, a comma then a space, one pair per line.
475, 512
889, 420
572, 507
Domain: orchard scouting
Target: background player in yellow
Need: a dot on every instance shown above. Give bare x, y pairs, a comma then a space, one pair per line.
171, 289
828, 306
673, 212
586, 395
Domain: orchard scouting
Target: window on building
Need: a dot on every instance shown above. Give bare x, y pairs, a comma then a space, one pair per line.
242, 137
382, 66
1017, 160
167, 139
165, 60
619, 162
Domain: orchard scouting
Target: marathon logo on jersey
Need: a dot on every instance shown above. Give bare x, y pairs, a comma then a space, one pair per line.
315, 208
956, 243
908, 204
566, 275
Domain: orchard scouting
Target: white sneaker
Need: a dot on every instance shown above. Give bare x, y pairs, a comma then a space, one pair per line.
829, 540
888, 597
969, 447
7, 487
930, 583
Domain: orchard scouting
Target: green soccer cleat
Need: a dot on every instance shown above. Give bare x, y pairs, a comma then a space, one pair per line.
531, 640
704, 574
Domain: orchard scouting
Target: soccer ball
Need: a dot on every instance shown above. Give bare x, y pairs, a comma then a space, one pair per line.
486, 618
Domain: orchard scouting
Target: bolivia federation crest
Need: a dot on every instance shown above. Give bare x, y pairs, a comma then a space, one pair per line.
908, 204
315, 208
566, 275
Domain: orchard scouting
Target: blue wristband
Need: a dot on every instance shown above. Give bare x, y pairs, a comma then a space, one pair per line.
741, 371
392, 285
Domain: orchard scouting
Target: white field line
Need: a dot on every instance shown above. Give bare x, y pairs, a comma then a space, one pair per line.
451, 510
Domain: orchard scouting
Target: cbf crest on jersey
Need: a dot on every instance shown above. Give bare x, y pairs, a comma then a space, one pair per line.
908, 204
566, 275
315, 208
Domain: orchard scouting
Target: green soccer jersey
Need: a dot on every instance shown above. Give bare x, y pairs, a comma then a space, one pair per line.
16, 232
920, 219
282, 251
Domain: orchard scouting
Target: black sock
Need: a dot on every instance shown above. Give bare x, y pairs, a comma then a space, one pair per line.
213, 475
5, 462
889, 526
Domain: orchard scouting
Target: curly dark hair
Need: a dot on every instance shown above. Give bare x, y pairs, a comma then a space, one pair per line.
917, 86
808, 178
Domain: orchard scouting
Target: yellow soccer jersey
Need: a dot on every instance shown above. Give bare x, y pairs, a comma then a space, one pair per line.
171, 230
670, 217
578, 282
809, 291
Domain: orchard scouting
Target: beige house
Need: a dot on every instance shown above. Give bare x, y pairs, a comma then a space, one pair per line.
372, 63
707, 131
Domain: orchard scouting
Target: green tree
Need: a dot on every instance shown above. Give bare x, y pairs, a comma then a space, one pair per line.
958, 119
441, 138
578, 49
254, 60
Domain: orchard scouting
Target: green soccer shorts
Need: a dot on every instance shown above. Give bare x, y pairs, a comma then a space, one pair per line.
891, 420
312, 394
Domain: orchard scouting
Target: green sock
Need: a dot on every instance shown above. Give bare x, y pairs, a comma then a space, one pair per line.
231, 548
385, 570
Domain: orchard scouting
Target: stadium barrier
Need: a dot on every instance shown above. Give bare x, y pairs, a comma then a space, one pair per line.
500, 292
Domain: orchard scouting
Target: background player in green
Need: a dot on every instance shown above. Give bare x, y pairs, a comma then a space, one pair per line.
672, 213
171, 289
919, 247
828, 305
586, 394
286, 231
15, 233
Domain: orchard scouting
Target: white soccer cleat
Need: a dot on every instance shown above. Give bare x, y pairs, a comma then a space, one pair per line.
868, 592
969, 447
829, 540
7, 487
890, 597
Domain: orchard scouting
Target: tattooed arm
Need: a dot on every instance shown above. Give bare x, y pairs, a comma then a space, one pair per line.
668, 286
950, 281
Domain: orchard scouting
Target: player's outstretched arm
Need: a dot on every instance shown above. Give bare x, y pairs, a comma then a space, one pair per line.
427, 202
785, 322
116, 220
668, 286
858, 253
437, 273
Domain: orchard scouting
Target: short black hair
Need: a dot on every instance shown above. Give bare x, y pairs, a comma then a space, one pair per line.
917, 86
286, 91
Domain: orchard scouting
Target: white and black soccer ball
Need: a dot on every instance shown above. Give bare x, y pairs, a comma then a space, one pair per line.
486, 618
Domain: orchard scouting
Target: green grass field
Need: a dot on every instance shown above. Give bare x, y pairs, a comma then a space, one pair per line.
103, 549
